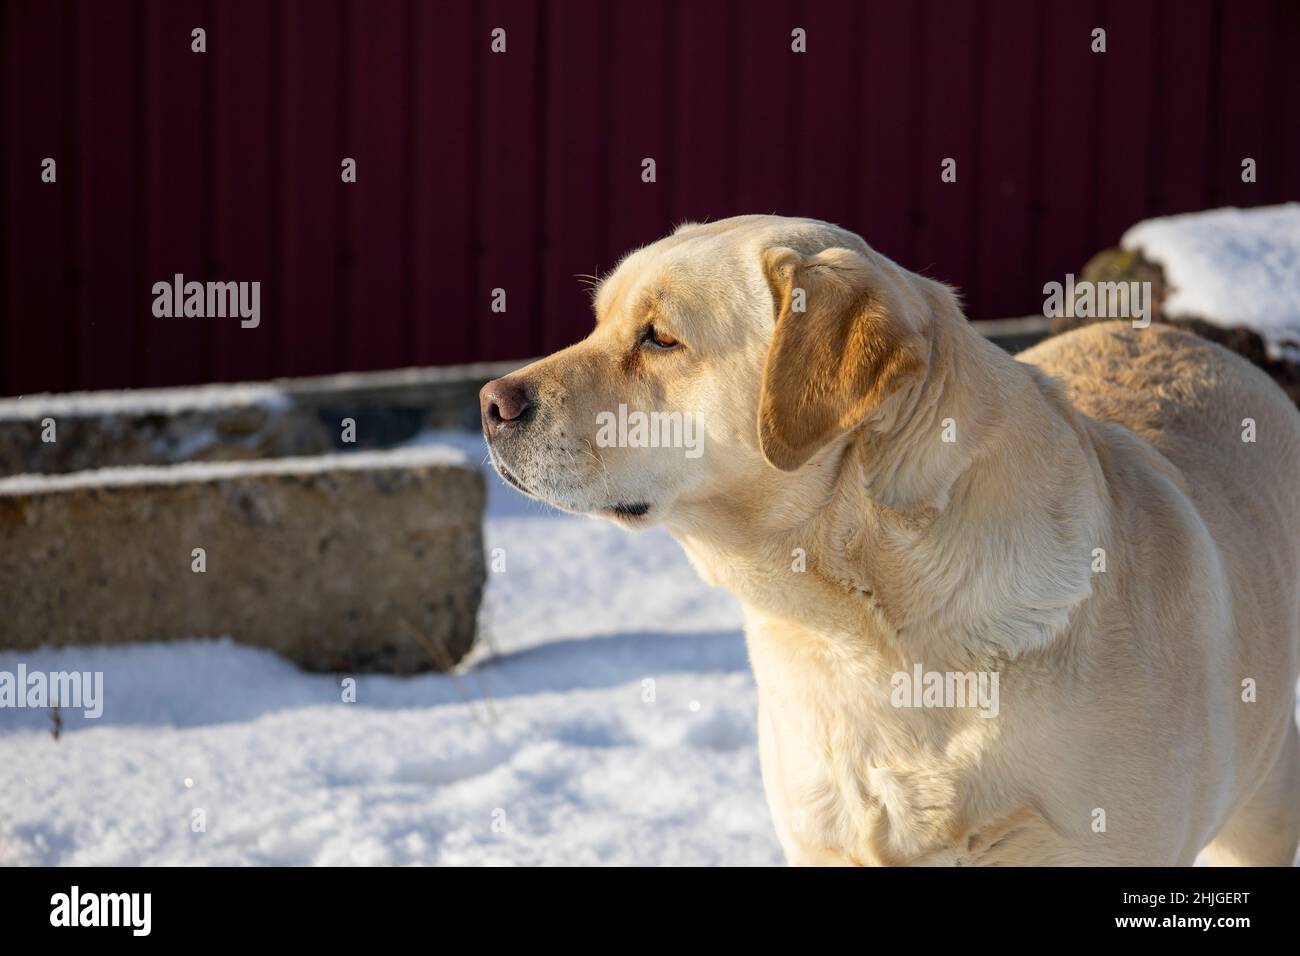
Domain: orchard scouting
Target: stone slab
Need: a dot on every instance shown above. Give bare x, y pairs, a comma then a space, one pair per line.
369, 561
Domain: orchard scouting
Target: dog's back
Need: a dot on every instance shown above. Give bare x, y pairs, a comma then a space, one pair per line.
1233, 437
1230, 431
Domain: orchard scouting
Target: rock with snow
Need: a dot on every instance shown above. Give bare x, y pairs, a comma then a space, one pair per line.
1231, 267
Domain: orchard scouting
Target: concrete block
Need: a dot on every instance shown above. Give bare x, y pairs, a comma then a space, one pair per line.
370, 561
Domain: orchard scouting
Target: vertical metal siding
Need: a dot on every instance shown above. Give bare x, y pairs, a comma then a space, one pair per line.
521, 171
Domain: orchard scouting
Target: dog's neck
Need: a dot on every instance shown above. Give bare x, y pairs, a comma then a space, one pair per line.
960, 521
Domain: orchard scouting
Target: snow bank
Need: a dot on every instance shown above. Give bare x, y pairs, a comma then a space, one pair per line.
1231, 267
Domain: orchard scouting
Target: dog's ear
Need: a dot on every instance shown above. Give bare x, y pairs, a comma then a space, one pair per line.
843, 344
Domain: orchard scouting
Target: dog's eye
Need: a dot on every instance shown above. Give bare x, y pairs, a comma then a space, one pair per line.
659, 339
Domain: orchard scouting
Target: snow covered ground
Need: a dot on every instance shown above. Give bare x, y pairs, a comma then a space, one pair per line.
620, 730
1231, 267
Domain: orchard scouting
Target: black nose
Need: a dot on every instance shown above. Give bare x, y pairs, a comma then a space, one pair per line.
503, 403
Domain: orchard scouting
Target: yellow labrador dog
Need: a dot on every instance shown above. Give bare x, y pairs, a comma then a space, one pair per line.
1000, 611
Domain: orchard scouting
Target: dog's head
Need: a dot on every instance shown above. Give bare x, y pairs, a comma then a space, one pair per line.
720, 353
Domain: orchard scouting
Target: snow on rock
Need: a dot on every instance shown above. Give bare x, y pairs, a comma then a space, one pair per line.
152, 401
1230, 267
553, 748
190, 471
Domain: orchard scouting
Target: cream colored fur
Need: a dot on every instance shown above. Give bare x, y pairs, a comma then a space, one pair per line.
1121, 692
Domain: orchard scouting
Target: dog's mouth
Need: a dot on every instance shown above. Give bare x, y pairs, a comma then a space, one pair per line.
507, 474
629, 511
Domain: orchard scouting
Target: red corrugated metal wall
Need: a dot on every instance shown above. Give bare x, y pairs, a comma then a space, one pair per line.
519, 170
